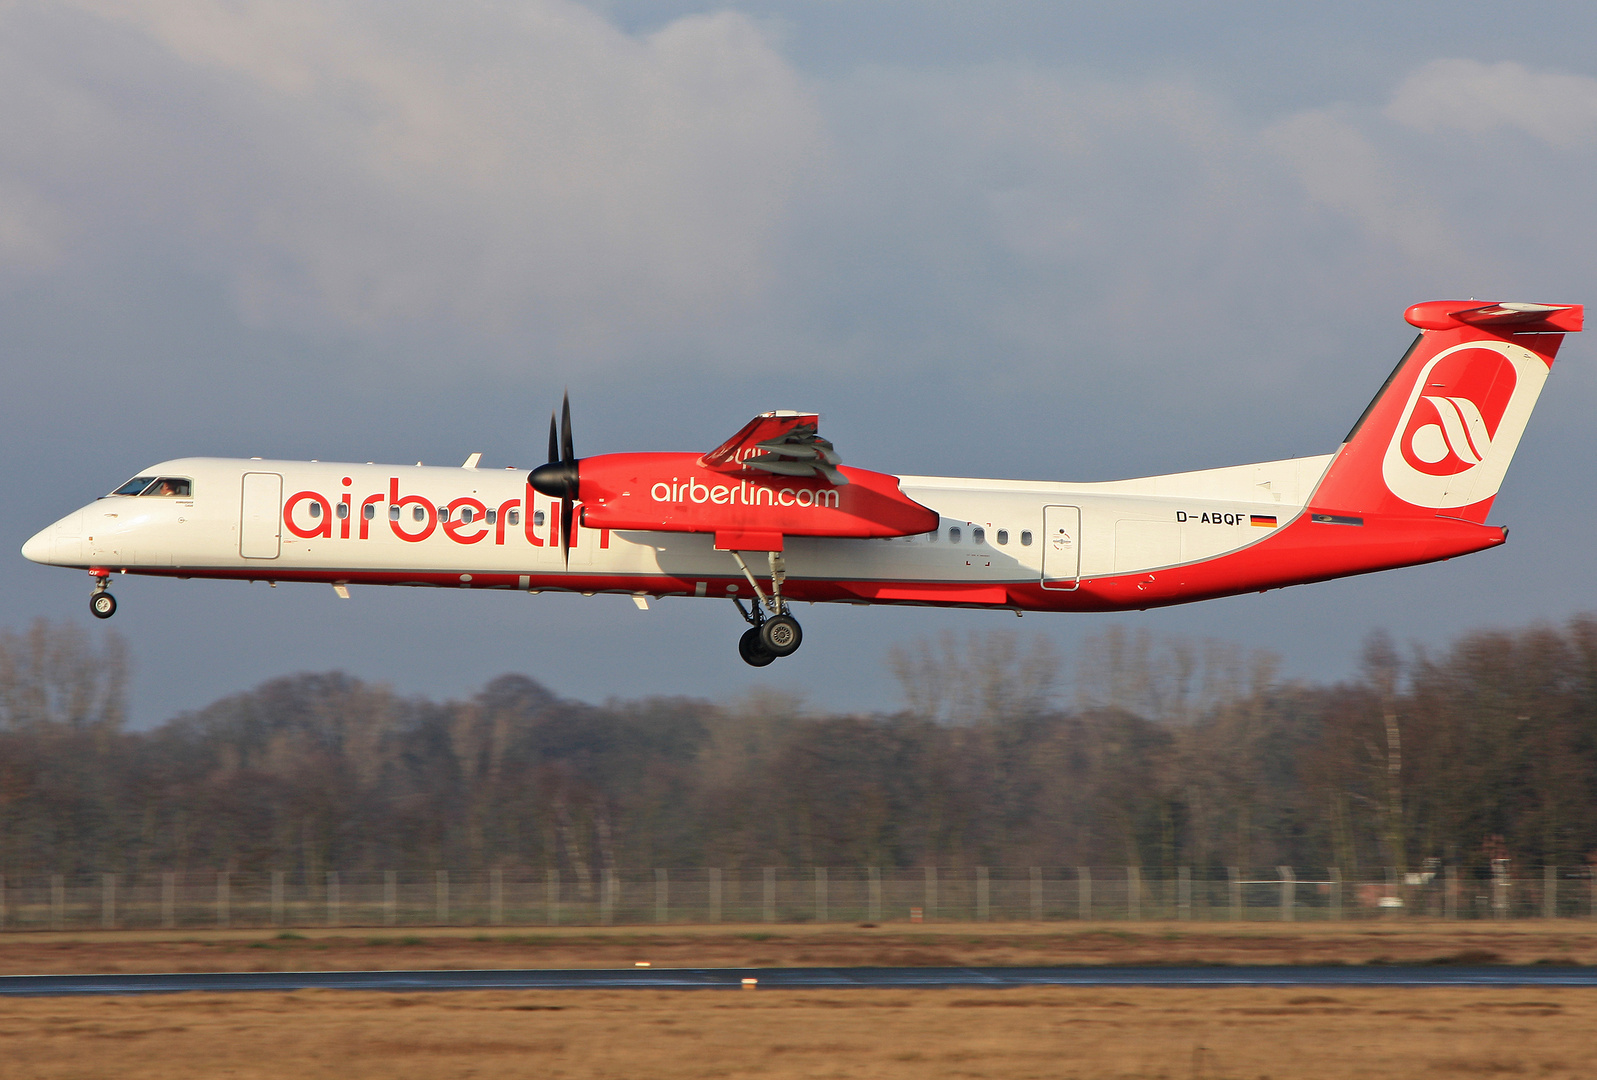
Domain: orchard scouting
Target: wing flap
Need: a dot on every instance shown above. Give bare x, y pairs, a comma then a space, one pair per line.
779, 443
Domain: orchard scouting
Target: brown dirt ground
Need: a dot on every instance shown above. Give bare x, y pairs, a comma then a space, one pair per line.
1562, 941
1232, 1033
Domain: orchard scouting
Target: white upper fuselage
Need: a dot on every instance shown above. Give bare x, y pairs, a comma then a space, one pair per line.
280, 521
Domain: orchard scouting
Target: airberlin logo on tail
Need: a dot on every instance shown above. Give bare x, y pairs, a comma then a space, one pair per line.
1462, 423
1461, 433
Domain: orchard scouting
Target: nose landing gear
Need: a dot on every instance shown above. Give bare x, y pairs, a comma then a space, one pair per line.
772, 631
102, 605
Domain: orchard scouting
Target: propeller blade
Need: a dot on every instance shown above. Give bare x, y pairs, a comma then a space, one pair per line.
566, 511
554, 445
567, 453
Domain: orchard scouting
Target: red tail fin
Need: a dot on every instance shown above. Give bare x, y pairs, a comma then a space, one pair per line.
1438, 437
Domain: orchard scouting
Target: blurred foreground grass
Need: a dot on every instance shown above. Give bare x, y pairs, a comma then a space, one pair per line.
887, 1034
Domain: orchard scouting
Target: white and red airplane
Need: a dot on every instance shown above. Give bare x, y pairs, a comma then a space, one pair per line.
1412, 483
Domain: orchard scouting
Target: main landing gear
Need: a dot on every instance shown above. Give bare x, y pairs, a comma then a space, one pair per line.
102, 605
772, 631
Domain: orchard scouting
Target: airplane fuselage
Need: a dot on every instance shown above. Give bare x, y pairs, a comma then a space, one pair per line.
1025, 545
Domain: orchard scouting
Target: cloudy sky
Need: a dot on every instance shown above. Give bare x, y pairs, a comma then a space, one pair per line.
1039, 240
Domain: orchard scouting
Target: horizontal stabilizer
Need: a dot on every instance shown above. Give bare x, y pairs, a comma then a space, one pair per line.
1510, 318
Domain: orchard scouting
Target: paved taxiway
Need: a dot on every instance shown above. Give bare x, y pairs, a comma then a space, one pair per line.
791, 978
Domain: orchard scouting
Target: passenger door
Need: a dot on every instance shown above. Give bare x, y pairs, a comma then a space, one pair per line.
1061, 547
260, 528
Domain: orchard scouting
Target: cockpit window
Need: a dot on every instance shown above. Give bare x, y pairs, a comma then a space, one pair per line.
176, 487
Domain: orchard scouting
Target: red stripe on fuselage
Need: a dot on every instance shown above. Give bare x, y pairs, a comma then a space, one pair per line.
1300, 552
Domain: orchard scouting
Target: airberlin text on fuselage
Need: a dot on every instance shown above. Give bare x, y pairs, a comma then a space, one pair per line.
744, 494
310, 514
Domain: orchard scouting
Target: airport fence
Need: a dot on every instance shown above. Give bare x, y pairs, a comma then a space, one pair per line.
549, 897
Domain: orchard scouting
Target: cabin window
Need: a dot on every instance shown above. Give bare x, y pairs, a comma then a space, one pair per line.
368, 511
393, 513
492, 516
134, 486
1003, 536
465, 515
978, 535
342, 510
316, 509
953, 534
537, 517
932, 536
418, 513
443, 513
1025, 538
514, 517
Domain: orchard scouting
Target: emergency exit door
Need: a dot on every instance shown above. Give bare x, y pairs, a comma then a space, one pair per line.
260, 527
1061, 547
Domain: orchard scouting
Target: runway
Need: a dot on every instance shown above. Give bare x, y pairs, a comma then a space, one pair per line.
793, 978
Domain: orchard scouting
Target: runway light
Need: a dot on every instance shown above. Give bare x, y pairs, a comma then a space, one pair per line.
640, 963
750, 984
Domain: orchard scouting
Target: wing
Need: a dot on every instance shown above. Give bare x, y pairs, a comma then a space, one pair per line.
784, 443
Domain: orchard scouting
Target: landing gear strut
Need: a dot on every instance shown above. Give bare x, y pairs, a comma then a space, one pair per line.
772, 631
102, 605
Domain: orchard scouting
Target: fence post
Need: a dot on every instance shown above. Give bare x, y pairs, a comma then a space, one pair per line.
107, 901
1036, 894
876, 895
390, 897
551, 880
820, 894
983, 905
1336, 893
1134, 893
1500, 888
715, 894
1289, 893
441, 895
1084, 893
1184, 893
1450, 894
277, 898
1550, 892
58, 902
608, 887
770, 894
931, 894
168, 900
662, 894
1236, 892
2, 902
224, 898
496, 896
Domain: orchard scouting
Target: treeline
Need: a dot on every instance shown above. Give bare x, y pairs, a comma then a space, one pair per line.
1168, 753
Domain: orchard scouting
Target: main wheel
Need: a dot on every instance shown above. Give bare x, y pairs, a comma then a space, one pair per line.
781, 635
103, 605
752, 650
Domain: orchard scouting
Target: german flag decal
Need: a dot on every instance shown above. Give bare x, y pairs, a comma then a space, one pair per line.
1265, 520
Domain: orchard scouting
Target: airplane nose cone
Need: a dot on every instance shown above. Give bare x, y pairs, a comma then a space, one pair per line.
37, 549
59, 545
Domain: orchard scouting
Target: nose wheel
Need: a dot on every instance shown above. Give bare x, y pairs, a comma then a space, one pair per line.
102, 605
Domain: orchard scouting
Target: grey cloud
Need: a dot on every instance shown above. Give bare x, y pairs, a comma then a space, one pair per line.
523, 169
1460, 95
